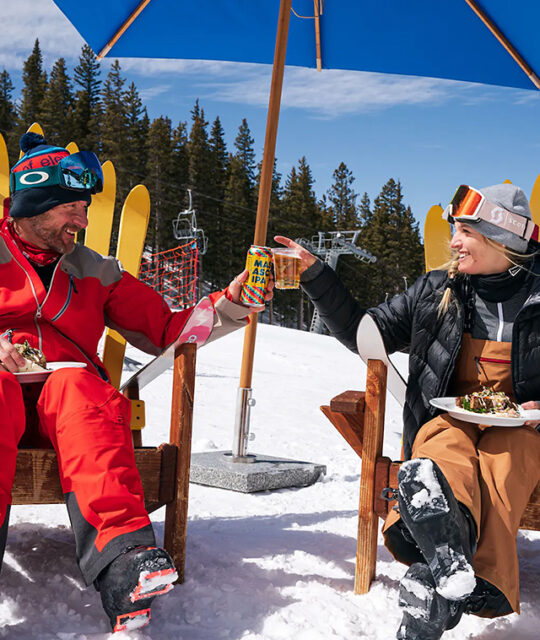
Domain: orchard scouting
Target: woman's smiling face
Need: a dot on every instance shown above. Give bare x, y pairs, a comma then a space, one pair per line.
476, 256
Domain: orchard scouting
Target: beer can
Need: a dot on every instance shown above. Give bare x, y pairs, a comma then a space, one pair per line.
258, 263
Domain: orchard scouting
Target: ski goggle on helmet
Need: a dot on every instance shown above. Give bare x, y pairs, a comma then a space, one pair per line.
469, 206
79, 171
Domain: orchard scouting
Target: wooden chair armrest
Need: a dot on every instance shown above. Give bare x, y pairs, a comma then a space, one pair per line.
349, 402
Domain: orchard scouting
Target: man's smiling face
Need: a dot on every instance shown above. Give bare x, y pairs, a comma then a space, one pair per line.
55, 229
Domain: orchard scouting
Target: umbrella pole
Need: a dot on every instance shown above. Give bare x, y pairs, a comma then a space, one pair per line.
244, 400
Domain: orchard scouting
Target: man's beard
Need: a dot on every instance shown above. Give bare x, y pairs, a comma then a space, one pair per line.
52, 238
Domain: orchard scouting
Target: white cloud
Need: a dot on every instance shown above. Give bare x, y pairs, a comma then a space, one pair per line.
329, 94
24, 21
332, 93
153, 92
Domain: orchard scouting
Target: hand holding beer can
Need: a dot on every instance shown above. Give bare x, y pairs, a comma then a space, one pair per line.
258, 263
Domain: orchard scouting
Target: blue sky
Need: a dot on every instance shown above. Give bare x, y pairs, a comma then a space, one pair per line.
430, 134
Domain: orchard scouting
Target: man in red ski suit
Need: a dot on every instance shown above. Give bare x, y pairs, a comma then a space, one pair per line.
60, 296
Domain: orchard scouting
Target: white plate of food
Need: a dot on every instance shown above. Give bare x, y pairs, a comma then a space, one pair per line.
492, 419
40, 375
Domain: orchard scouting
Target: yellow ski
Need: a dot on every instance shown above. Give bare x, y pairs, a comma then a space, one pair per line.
72, 147
131, 238
534, 202
98, 236
4, 177
436, 239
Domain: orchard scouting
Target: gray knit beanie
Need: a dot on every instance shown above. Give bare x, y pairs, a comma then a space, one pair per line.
513, 199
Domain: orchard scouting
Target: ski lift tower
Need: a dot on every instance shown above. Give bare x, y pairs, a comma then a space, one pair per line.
329, 246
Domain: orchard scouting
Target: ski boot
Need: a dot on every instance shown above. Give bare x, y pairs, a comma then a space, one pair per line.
426, 614
131, 581
441, 529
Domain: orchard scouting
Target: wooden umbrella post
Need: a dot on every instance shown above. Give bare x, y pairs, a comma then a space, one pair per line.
261, 224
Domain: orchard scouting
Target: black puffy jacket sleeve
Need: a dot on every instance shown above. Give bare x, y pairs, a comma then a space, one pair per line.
341, 313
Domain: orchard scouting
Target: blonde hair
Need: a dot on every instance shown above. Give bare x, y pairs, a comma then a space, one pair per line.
514, 258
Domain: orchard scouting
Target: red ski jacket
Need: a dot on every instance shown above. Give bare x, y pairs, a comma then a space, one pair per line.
87, 293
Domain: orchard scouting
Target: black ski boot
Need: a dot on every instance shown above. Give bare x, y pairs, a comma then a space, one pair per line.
131, 581
440, 528
426, 614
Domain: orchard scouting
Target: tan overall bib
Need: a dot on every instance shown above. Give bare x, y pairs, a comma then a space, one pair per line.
491, 470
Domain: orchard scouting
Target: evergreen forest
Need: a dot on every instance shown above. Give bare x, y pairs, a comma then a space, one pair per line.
105, 114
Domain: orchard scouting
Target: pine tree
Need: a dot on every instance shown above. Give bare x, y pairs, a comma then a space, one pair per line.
364, 210
135, 137
303, 218
393, 237
87, 109
180, 164
238, 220
8, 113
199, 151
179, 169
57, 105
240, 208
113, 128
33, 91
158, 178
304, 215
341, 199
212, 218
244, 151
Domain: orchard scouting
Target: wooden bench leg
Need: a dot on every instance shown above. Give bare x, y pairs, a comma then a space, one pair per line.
366, 552
176, 513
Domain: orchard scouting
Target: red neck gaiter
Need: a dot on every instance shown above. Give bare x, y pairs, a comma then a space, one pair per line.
37, 256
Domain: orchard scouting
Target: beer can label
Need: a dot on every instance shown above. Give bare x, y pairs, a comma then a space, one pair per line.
258, 263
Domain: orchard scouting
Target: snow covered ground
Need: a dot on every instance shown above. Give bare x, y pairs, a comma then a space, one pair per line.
275, 565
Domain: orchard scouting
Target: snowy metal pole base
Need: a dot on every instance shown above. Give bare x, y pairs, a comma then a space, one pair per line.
267, 473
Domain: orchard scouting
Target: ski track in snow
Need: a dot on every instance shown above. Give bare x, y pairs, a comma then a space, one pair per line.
270, 566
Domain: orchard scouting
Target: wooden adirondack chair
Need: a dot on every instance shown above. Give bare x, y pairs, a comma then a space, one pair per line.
165, 469
359, 418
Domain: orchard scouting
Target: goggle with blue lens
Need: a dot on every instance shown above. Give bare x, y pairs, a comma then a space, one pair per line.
79, 171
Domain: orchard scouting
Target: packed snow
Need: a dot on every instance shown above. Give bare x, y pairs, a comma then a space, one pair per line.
275, 565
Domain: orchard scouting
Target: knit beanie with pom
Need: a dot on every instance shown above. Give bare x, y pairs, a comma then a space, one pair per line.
31, 202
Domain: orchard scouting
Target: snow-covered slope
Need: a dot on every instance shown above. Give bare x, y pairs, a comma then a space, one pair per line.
275, 565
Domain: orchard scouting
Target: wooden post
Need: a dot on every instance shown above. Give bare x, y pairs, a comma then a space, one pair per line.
375, 400
267, 169
176, 512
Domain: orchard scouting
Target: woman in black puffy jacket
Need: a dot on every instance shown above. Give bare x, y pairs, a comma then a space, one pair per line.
464, 486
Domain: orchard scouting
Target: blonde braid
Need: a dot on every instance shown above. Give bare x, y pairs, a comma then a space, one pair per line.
452, 267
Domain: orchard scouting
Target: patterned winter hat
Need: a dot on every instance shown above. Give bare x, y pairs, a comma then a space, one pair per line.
30, 202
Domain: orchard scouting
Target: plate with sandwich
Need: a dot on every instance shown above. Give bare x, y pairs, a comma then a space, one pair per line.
486, 407
36, 367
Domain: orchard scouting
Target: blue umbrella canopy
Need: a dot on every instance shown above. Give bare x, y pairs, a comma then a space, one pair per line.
441, 38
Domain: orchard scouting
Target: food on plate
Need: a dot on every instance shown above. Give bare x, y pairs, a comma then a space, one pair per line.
488, 401
35, 360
